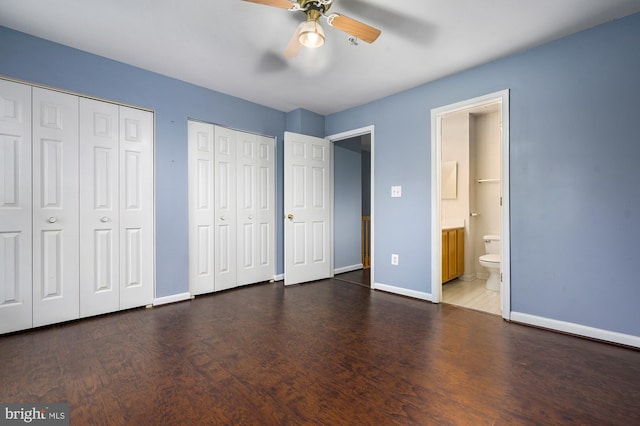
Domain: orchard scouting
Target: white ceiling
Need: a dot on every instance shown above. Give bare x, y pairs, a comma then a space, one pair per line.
235, 47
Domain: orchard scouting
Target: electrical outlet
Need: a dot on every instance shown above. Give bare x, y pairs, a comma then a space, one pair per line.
394, 259
396, 191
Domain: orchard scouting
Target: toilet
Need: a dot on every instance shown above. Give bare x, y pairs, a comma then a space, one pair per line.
491, 261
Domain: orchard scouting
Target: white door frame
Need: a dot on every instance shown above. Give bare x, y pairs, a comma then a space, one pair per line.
501, 97
347, 135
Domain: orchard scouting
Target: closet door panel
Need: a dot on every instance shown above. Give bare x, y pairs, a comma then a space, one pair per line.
55, 207
256, 218
99, 211
201, 207
136, 207
265, 209
247, 212
15, 207
225, 209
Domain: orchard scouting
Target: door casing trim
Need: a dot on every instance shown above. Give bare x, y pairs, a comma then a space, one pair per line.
501, 97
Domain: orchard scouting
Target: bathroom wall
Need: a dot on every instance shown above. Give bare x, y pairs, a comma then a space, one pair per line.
486, 159
455, 147
473, 141
458, 144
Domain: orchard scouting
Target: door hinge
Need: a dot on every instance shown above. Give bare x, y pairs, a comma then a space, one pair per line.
500, 276
501, 201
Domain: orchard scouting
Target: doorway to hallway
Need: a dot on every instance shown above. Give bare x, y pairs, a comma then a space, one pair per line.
353, 159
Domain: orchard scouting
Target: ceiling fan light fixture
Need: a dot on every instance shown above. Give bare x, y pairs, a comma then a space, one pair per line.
311, 34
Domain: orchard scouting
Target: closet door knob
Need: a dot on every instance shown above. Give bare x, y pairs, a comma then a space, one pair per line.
52, 220
223, 217
250, 217
104, 219
290, 216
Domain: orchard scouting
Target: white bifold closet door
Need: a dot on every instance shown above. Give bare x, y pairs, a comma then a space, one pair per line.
116, 207
256, 183
231, 208
15, 207
55, 207
99, 208
224, 210
76, 207
201, 271
136, 208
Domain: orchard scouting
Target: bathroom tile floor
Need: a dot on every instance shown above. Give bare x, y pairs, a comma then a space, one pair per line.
473, 295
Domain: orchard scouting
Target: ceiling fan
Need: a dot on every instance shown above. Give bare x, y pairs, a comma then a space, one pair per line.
310, 33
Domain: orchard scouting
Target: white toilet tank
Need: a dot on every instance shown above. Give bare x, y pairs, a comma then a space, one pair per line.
491, 244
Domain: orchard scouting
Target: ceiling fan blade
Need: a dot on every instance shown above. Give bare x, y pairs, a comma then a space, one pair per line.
284, 4
355, 28
294, 45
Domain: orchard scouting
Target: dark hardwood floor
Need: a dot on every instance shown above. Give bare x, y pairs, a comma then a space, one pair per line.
360, 277
329, 352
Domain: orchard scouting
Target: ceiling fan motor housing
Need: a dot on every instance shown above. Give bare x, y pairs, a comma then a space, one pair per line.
320, 7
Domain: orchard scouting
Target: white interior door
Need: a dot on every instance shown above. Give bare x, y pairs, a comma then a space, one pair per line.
99, 212
307, 204
55, 207
201, 270
15, 207
225, 209
256, 220
136, 207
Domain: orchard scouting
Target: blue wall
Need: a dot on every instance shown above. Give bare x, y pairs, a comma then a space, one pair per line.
39, 61
305, 122
574, 153
366, 183
575, 198
347, 203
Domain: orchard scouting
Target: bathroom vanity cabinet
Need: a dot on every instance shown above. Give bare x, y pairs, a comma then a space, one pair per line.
452, 253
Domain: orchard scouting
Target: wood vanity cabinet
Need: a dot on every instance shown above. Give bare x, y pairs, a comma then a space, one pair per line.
452, 253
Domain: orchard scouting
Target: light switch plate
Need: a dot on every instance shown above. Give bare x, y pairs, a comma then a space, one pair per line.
396, 191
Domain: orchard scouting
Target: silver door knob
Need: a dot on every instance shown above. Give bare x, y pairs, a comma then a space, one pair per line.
223, 217
52, 220
250, 217
104, 219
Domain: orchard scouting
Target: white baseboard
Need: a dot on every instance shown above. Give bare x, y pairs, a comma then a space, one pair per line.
171, 299
348, 268
468, 277
403, 291
577, 329
278, 277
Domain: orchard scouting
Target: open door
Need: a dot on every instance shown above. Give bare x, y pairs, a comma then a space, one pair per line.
307, 208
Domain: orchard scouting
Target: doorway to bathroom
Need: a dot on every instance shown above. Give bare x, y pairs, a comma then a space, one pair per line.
470, 203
